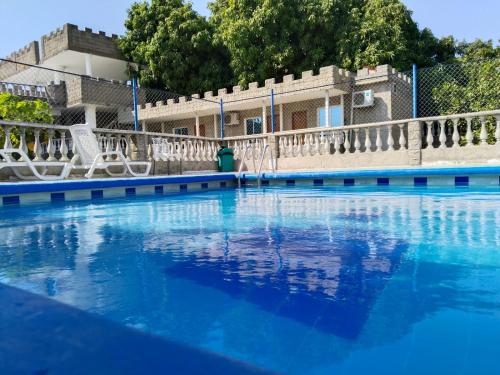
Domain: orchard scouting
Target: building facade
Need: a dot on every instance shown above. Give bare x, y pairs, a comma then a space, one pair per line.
59, 68
331, 98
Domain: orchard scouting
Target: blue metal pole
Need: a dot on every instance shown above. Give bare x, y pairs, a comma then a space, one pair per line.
221, 119
134, 96
415, 92
272, 111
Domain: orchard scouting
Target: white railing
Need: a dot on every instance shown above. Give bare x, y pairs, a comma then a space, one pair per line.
463, 130
254, 143
389, 136
169, 147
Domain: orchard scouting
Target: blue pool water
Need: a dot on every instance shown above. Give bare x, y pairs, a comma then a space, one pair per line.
298, 280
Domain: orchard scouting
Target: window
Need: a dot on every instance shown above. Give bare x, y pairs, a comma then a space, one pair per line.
181, 131
336, 116
253, 125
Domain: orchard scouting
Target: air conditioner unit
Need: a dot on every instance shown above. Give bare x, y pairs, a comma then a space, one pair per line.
231, 118
361, 99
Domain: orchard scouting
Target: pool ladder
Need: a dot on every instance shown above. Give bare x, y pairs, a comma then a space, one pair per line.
258, 172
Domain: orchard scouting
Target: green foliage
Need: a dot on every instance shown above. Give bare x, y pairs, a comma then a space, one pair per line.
268, 38
471, 86
13, 108
174, 47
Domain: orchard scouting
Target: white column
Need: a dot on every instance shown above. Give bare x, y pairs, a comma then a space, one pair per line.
215, 126
281, 118
197, 126
88, 64
90, 116
327, 108
264, 119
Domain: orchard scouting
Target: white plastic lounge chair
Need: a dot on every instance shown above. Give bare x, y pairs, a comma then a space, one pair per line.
88, 155
165, 150
24, 162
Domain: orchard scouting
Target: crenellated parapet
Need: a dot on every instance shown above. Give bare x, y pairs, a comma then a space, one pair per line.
29, 54
70, 37
380, 73
329, 77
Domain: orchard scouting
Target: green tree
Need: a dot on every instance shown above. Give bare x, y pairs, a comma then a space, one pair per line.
268, 38
471, 85
174, 47
13, 108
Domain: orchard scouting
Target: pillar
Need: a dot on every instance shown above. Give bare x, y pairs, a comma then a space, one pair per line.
215, 127
281, 118
88, 64
197, 126
414, 143
264, 119
327, 108
90, 116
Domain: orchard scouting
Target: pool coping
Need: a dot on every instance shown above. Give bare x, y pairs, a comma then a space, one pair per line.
390, 172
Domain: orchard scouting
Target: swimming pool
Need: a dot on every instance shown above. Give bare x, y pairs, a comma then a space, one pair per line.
319, 280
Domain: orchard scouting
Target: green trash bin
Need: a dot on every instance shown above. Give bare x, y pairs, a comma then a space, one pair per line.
226, 159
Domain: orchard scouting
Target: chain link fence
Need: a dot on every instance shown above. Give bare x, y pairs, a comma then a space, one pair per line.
282, 104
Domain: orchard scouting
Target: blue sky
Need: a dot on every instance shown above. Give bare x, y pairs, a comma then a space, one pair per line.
465, 19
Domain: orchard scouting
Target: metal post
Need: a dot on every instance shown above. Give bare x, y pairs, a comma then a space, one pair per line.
272, 111
134, 95
414, 83
221, 119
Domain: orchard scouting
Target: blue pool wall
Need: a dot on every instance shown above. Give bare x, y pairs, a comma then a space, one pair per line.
21, 193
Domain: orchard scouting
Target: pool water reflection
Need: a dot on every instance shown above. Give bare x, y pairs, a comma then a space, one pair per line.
296, 280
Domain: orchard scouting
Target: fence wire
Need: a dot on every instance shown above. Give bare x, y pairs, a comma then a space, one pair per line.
370, 96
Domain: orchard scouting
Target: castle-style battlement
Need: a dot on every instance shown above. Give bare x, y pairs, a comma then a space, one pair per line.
70, 37
29, 54
379, 74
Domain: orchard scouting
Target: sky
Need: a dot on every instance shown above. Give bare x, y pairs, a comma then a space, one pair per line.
27, 20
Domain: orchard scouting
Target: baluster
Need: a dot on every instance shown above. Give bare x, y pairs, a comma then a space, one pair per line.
38, 146
456, 135
497, 131
109, 146
347, 142
296, 146
22, 141
469, 136
368, 141
442, 134
307, 145
402, 138
289, 146
336, 142
127, 147
214, 151
7, 142
378, 141
430, 136
484, 134
50, 146
390, 139
63, 149
357, 143
118, 146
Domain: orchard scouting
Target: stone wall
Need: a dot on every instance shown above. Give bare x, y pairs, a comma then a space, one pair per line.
69, 37
29, 55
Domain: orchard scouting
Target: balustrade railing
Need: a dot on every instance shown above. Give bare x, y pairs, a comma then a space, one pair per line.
255, 143
478, 131
462, 130
174, 147
389, 136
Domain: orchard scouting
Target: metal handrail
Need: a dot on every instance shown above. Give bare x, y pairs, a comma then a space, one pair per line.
273, 166
243, 161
